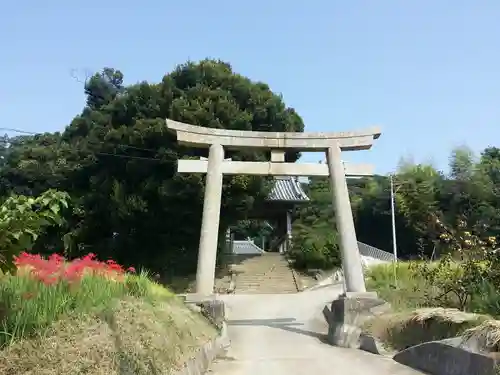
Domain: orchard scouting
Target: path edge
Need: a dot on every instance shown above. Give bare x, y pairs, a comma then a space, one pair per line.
208, 352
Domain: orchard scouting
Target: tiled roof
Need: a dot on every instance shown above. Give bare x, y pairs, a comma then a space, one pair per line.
287, 189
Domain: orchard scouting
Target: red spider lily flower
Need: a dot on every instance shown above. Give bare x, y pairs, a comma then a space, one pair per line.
55, 268
131, 269
56, 259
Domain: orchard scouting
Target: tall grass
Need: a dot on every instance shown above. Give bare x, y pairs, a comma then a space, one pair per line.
398, 284
486, 300
28, 306
403, 287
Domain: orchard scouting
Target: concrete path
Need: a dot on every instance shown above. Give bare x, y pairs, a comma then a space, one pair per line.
281, 334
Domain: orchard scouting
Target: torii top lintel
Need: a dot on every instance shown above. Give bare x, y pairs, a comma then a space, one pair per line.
199, 136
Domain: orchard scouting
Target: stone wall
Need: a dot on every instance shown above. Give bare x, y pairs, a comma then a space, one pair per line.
214, 311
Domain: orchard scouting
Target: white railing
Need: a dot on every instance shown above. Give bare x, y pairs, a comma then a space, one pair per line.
373, 252
246, 247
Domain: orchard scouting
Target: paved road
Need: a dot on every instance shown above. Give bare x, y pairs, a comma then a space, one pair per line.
282, 334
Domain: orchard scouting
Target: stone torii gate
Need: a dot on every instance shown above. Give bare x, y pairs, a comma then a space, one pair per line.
278, 143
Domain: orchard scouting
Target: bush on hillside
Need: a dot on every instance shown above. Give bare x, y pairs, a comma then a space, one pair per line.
315, 252
466, 277
468, 286
425, 297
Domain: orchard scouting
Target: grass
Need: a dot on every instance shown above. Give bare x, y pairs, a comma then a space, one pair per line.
486, 335
182, 284
399, 285
408, 328
417, 315
96, 326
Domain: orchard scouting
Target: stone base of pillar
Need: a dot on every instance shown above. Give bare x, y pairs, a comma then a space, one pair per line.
197, 298
209, 306
347, 314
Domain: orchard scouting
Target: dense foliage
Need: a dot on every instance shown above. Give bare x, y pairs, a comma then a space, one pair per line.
314, 243
117, 162
24, 219
429, 205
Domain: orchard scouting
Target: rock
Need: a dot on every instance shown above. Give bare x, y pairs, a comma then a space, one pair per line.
347, 315
193, 307
446, 357
215, 311
370, 344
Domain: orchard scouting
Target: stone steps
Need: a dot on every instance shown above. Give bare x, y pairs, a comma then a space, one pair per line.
264, 274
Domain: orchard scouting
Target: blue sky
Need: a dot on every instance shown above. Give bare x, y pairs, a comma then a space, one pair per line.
427, 71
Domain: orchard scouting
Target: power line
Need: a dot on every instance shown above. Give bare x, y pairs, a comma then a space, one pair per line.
102, 142
17, 131
126, 156
20, 131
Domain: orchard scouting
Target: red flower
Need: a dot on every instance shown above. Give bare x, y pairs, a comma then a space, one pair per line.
55, 268
131, 269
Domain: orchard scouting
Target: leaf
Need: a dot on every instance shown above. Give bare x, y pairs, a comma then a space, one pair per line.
33, 235
16, 235
55, 208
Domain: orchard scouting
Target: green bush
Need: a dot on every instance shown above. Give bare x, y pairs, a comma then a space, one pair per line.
24, 219
315, 252
468, 285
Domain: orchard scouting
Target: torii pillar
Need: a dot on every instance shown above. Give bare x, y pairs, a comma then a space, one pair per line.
351, 259
209, 235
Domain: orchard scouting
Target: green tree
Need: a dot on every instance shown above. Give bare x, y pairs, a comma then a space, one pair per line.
102, 88
417, 199
314, 244
118, 161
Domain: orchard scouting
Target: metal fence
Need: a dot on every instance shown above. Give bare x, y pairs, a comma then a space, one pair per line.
373, 252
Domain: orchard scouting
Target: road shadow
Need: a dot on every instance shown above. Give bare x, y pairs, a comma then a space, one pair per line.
286, 324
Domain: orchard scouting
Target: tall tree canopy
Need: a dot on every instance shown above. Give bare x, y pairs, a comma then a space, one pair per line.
118, 161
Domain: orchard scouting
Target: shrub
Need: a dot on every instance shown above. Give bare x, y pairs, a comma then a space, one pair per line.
311, 252
467, 285
23, 219
466, 278
452, 283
